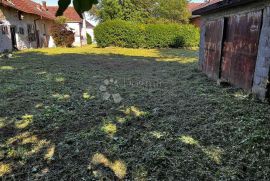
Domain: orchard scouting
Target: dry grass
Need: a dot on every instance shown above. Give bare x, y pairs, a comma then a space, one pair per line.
172, 123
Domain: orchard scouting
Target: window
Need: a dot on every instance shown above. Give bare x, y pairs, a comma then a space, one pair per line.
21, 31
4, 30
20, 15
31, 32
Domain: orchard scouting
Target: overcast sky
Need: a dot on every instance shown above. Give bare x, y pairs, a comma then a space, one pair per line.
54, 2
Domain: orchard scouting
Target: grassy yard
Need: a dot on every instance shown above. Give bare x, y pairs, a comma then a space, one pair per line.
111, 114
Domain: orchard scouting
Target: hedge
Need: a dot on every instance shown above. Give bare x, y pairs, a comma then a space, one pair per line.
119, 33
131, 35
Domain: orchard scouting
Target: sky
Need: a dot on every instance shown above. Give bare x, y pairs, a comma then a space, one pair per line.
54, 2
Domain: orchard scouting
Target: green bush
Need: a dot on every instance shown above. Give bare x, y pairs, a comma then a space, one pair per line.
89, 39
119, 33
161, 35
126, 34
189, 36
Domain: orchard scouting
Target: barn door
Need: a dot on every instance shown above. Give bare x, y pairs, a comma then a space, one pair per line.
213, 48
240, 48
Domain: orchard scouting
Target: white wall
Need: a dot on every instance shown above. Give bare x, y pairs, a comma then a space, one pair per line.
76, 27
10, 18
90, 31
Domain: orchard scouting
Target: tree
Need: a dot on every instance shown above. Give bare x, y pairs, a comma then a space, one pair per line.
173, 10
62, 36
143, 10
118, 9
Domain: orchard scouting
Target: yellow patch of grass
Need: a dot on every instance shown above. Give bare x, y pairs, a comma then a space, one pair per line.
87, 96
24, 139
60, 79
182, 60
25, 122
118, 167
170, 54
121, 120
189, 140
4, 169
109, 128
61, 97
157, 134
50, 153
134, 111
2, 122
7, 68
213, 153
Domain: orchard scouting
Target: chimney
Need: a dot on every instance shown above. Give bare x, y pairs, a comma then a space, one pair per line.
44, 5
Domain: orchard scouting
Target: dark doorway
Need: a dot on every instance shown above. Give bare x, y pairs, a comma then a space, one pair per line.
38, 40
13, 37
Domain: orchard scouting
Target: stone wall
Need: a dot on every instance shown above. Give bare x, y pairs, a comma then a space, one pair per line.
261, 76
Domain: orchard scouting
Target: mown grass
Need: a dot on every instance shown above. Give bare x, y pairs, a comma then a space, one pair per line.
165, 120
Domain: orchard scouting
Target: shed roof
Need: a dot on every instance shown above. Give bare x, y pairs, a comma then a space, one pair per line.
28, 6
216, 5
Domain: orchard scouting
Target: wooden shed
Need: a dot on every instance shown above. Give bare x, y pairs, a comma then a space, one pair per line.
235, 43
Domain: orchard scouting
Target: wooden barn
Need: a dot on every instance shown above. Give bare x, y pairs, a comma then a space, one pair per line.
235, 43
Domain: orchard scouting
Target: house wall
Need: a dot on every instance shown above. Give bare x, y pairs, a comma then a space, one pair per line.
79, 30
90, 31
10, 18
261, 75
196, 21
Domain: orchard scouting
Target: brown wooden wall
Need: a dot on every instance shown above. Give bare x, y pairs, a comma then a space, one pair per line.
231, 47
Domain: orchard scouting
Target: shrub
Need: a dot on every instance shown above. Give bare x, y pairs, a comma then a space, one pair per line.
62, 36
126, 34
189, 36
119, 33
171, 35
89, 39
161, 35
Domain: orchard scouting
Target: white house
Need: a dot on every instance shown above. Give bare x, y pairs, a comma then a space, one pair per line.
24, 24
78, 25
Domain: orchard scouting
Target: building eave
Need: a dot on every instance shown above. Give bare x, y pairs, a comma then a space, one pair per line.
225, 4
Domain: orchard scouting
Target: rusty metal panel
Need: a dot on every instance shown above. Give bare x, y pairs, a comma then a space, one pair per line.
242, 33
213, 48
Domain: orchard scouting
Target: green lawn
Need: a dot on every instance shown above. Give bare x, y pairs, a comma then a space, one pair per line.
108, 114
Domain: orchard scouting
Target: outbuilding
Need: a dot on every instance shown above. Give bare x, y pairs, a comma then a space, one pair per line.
235, 43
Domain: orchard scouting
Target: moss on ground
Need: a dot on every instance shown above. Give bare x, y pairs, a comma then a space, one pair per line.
109, 114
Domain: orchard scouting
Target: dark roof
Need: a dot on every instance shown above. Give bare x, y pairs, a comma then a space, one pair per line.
216, 5
70, 13
29, 7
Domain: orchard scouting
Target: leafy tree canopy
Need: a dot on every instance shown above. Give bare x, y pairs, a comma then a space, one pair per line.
142, 10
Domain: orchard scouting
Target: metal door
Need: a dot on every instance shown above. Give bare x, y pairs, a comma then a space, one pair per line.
241, 39
213, 48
